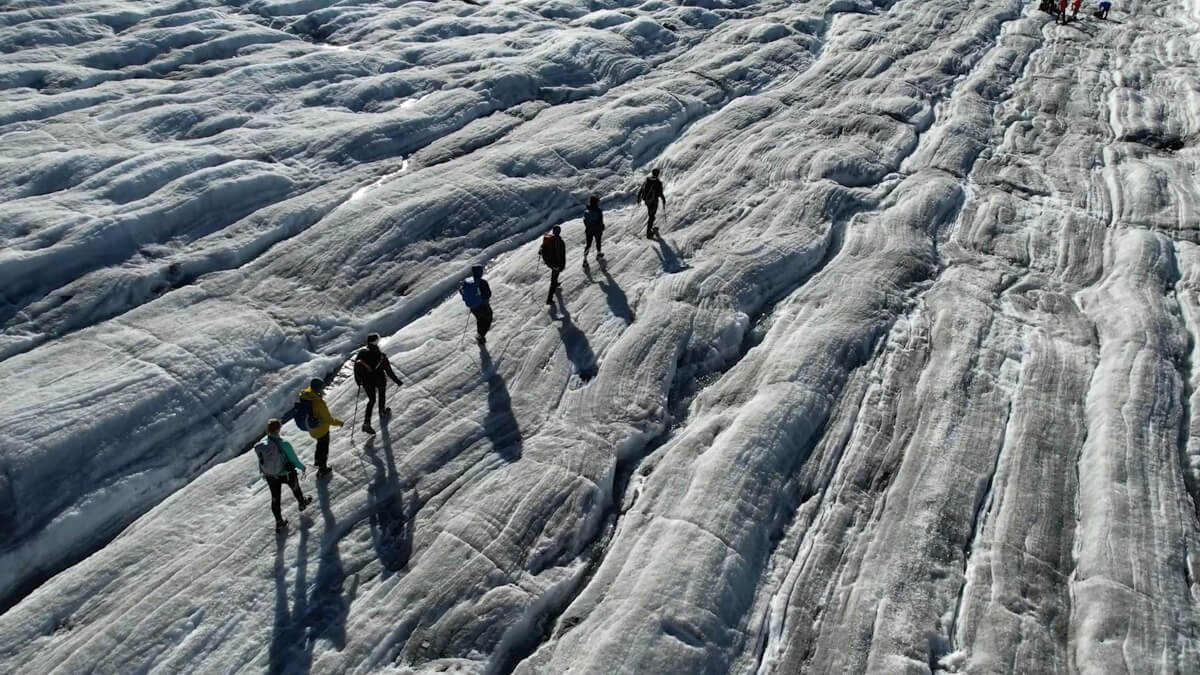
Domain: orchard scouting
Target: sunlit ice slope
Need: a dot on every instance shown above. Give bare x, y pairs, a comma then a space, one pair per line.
905, 384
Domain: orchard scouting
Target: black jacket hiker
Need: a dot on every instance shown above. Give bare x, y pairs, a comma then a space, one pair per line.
371, 372
554, 254
650, 194
593, 227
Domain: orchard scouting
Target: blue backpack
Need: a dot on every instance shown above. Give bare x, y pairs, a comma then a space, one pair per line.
469, 290
302, 414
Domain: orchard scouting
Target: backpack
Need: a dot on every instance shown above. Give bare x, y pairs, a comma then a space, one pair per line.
270, 459
547, 251
469, 290
363, 371
593, 220
302, 414
650, 192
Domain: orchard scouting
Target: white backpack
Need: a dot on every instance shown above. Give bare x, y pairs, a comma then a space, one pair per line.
270, 459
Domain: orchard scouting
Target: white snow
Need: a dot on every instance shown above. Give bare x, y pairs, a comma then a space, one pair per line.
906, 385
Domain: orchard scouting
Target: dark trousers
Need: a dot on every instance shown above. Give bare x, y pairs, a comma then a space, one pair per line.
651, 209
590, 236
322, 455
276, 484
553, 284
483, 319
376, 389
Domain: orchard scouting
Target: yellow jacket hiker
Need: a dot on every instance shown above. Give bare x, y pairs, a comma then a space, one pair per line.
320, 430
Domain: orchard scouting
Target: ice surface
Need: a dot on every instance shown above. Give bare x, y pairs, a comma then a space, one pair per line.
906, 385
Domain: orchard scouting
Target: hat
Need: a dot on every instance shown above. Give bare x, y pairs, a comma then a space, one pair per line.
556, 230
316, 384
372, 338
477, 270
654, 172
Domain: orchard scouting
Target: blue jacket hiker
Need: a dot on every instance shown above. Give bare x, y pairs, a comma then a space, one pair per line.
477, 296
278, 463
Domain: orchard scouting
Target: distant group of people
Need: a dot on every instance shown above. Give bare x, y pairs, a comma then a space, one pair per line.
1060, 12
476, 293
278, 463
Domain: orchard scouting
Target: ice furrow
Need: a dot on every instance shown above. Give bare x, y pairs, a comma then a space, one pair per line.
1188, 298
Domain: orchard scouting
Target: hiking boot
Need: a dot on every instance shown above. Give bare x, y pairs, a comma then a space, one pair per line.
324, 471
599, 256
367, 429
386, 415
280, 526
480, 339
304, 503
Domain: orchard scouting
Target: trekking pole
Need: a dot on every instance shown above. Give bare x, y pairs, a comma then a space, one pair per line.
354, 424
463, 337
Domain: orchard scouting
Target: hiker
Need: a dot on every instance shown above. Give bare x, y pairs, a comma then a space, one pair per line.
1075, 9
1062, 11
1103, 11
319, 423
554, 254
651, 192
1047, 6
277, 462
593, 227
372, 371
477, 295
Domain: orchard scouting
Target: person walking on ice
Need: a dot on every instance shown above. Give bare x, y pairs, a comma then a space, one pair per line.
311, 414
554, 254
277, 462
650, 194
477, 296
1102, 13
1075, 9
372, 371
593, 227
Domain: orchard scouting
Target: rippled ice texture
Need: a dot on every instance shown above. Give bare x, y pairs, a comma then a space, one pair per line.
906, 385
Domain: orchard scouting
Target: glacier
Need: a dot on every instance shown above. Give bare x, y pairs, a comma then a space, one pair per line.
905, 385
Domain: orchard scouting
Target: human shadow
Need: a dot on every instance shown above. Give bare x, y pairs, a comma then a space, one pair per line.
579, 350
329, 605
618, 302
288, 639
667, 256
390, 522
1085, 28
500, 425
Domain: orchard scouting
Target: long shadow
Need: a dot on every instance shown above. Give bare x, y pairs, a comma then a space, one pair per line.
500, 425
579, 350
670, 260
618, 302
288, 643
328, 605
391, 525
